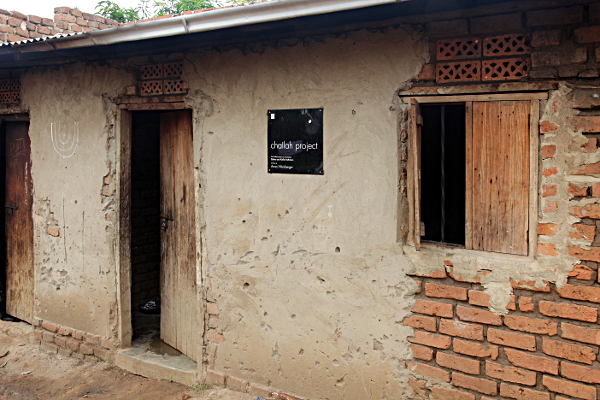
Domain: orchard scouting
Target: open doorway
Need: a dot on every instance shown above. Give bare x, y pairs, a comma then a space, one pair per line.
163, 245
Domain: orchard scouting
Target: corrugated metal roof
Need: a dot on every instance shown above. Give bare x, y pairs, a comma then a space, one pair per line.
42, 39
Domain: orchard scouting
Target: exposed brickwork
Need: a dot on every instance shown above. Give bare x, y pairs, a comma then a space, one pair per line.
71, 342
542, 349
16, 26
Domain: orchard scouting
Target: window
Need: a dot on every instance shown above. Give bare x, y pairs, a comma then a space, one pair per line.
473, 174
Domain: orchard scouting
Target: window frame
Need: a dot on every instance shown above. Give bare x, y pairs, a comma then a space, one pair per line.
414, 162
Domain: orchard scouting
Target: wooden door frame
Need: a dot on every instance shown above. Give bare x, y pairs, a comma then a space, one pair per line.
122, 247
21, 117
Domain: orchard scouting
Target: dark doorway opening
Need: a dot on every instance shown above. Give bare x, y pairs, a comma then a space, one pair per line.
443, 175
145, 222
3, 314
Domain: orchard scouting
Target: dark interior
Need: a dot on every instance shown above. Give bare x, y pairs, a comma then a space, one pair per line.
443, 173
2, 214
145, 211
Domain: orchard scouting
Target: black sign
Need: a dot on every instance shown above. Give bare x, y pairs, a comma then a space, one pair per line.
295, 141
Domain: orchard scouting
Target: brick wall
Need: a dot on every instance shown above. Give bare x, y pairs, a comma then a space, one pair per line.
546, 345
15, 26
71, 342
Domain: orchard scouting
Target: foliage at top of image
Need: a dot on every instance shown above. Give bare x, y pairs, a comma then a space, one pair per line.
145, 10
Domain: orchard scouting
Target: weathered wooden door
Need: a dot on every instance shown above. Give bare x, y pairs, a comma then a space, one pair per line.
178, 326
19, 224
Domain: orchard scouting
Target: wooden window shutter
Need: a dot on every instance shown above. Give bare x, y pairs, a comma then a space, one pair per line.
498, 165
416, 122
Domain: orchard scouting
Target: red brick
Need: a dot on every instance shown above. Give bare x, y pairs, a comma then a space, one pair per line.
49, 326
216, 338
497, 23
78, 334
589, 169
596, 190
549, 190
568, 351
440, 274
53, 232
530, 285
587, 124
547, 228
547, 172
215, 378
546, 127
477, 384
582, 272
439, 393
419, 287
86, 349
76, 28
551, 207
588, 34
461, 329
73, 345
420, 322
521, 393
417, 386
549, 151
458, 363
592, 144
580, 373
60, 341
38, 334
583, 231
547, 249
584, 293
581, 334
433, 308
422, 352
445, 292
475, 349
526, 304
531, 325
569, 388
478, 298
545, 38
429, 371
431, 339
511, 339
478, 315
570, 311
578, 192
530, 361
457, 276
510, 374
427, 73
212, 309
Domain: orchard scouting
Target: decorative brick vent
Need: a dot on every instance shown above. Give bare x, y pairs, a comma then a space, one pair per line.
506, 69
506, 45
161, 79
10, 91
466, 71
453, 49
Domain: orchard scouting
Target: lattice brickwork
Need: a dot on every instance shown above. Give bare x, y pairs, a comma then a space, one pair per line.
466, 71
162, 79
456, 49
154, 71
152, 88
174, 86
173, 69
505, 69
10, 91
506, 45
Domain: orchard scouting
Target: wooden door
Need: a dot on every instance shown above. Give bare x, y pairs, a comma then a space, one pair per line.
178, 325
500, 176
19, 223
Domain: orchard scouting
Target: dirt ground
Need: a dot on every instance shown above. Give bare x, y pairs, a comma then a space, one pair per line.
29, 372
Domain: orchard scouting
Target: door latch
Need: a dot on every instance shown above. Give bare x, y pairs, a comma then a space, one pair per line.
163, 223
10, 209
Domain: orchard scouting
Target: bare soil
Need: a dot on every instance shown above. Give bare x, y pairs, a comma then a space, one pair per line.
29, 372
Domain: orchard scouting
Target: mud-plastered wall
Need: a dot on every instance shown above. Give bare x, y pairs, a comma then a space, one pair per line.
73, 153
306, 280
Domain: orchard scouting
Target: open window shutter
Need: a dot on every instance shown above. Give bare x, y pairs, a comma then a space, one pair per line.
500, 176
416, 122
